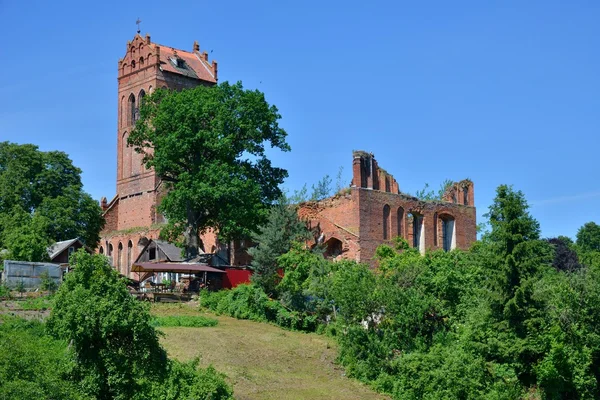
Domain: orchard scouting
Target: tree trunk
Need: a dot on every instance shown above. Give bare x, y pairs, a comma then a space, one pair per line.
191, 242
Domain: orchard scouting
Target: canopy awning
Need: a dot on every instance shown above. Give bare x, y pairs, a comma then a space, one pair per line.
173, 267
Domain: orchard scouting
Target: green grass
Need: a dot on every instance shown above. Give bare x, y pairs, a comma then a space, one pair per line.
263, 361
189, 321
38, 303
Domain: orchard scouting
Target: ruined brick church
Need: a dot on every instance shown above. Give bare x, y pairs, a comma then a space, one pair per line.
350, 225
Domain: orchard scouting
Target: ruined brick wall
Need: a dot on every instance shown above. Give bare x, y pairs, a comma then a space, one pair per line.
374, 212
399, 222
334, 219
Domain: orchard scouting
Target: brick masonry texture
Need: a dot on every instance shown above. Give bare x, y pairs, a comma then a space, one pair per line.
131, 216
373, 211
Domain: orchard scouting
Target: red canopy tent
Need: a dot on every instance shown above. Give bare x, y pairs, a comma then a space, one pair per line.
149, 268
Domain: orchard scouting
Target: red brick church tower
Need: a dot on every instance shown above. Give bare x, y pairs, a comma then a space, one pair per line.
131, 216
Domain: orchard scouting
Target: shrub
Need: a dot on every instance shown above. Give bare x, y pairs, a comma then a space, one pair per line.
251, 302
32, 364
184, 321
47, 283
186, 381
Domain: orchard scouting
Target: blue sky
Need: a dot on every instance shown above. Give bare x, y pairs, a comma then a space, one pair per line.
497, 91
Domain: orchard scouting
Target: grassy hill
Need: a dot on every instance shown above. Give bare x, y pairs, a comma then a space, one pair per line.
263, 361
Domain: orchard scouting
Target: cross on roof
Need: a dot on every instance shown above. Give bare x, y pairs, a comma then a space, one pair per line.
138, 22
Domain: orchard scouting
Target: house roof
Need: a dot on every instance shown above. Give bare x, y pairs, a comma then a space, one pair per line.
59, 247
192, 65
172, 252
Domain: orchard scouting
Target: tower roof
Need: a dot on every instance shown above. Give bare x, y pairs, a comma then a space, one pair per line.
192, 64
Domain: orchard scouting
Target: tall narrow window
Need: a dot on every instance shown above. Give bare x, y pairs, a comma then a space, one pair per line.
466, 195
448, 233
126, 156
119, 255
401, 222
141, 97
101, 251
132, 110
386, 222
418, 237
129, 251
110, 253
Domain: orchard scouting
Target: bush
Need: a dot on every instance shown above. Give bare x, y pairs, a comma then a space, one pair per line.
47, 283
32, 364
251, 302
187, 381
4, 292
185, 321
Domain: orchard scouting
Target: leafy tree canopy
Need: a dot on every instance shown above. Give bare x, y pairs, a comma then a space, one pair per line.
41, 200
207, 144
274, 239
588, 237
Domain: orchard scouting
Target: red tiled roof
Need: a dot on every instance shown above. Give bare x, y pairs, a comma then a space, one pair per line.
200, 69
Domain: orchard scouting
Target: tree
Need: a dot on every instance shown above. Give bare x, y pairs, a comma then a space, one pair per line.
275, 238
109, 330
207, 144
588, 237
322, 190
41, 200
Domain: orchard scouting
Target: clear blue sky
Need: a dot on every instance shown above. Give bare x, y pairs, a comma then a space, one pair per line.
498, 92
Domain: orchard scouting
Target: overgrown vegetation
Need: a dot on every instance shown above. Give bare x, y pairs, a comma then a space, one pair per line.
98, 343
516, 316
188, 321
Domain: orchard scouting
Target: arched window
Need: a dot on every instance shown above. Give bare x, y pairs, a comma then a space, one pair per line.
447, 232
333, 248
132, 64
101, 251
400, 222
123, 112
418, 236
466, 196
386, 222
141, 96
141, 62
119, 256
126, 156
132, 110
129, 251
110, 252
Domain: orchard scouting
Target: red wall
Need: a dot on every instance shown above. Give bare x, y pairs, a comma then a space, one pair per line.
234, 277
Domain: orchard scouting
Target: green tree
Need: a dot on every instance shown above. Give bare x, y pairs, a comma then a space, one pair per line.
588, 237
322, 189
108, 329
207, 144
41, 200
275, 238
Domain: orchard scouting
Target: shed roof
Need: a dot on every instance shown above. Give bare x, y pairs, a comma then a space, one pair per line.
59, 247
172, 252
173, 267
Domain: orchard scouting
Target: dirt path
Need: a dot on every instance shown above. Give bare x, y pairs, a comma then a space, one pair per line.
263, 361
